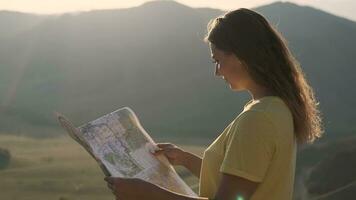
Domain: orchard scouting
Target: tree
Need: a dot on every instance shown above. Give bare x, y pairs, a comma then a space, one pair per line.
5, 158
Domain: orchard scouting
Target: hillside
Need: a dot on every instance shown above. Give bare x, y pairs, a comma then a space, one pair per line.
43, 169
335, 171
152, 59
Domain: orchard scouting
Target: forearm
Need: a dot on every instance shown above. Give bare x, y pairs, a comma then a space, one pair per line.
193, 163
163, 194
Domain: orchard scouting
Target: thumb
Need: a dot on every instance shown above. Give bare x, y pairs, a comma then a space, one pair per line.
109, 179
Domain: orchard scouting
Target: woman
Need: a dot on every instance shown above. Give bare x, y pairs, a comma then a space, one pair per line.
254, 157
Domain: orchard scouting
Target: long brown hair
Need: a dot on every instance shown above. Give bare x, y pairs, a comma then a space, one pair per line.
263, 50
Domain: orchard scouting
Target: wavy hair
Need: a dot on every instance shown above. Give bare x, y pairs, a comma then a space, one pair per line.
263, 50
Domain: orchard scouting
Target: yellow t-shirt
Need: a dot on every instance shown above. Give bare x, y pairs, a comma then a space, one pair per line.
258, 145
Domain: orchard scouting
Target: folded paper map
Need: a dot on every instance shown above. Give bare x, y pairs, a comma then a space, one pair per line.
122, 148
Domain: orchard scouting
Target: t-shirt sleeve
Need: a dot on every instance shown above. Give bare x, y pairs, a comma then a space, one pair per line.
250, 146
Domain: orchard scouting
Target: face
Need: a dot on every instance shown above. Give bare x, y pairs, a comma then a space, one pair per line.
230, 68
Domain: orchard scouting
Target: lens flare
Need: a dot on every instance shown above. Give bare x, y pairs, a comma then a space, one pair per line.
239, 198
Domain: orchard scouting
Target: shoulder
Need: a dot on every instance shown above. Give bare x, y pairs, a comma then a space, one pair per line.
250, 116
253, 118
253, 125
270, 109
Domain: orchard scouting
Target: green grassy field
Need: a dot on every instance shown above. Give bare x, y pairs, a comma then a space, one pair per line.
58, 169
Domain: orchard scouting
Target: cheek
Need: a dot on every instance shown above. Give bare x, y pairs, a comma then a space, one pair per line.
237, 71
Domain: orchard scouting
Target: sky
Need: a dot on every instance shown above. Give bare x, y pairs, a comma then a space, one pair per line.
344, 8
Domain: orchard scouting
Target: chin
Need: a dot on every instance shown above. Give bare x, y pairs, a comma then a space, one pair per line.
236, 89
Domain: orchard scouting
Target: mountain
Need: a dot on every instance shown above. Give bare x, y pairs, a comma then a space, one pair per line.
16, 22
148, 58
334, 177
324, 44
152, 58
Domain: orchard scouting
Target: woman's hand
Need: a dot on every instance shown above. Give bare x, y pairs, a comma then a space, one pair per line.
130, 188
175, 155
135, 189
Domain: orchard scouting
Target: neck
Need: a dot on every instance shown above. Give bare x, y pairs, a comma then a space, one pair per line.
259, 92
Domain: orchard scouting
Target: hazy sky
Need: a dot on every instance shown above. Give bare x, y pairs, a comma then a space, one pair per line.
345, 8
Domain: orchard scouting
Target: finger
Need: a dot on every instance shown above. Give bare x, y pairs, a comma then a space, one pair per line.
158, 151
109, 179
163, 151
164, 145
117, 196
110, 186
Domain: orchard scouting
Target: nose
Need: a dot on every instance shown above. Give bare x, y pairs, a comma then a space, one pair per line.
217, 69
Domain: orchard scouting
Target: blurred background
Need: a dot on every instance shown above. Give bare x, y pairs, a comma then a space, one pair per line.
86, 59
